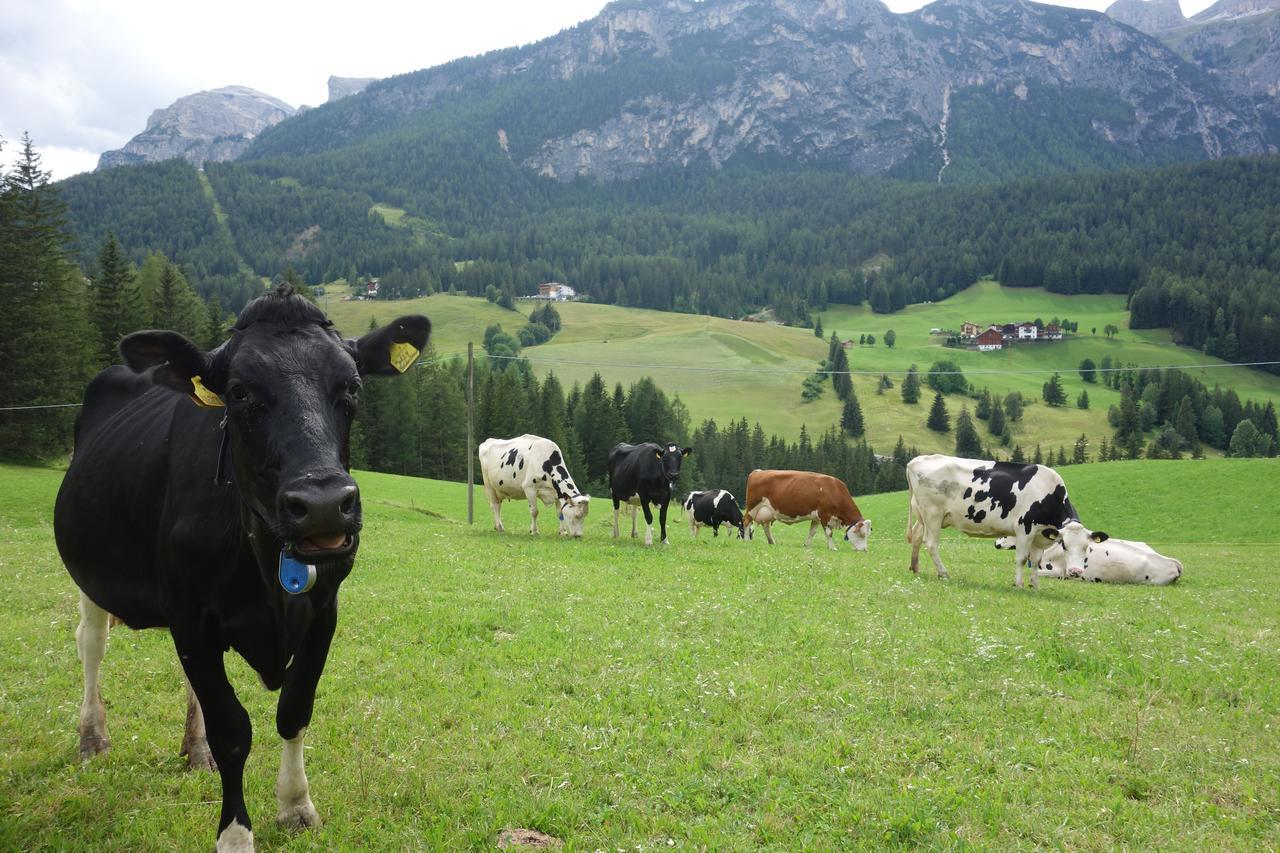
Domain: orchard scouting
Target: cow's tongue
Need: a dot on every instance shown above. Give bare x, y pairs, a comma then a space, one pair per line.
324, 543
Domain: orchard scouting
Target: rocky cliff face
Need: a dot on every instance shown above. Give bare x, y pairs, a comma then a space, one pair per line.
841, 82
1150, 16
341, 87
1230, 10
213, 125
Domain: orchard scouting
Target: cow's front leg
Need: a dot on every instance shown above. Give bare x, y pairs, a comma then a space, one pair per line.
831, 545
91, 645
1022, 552
813, 529
615, 518
662, 522
195, 742
228, 729
931, 545
293, 715
693, 526
648, 522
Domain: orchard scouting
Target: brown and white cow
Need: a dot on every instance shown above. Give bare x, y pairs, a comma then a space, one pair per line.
795, 496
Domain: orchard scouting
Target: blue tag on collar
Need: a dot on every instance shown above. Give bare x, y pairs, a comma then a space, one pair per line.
296, 577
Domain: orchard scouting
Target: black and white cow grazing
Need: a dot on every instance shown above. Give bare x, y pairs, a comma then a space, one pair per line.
209, 494
533, 468
647, 472
713, 508
992, 499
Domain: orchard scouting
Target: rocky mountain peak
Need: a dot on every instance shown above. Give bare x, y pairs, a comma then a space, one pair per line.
342, 87
1150, 16
215, 125
1227, 10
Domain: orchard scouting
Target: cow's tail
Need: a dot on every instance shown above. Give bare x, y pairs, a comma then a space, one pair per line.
913, 513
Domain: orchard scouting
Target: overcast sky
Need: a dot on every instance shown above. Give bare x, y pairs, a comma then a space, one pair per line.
82, 76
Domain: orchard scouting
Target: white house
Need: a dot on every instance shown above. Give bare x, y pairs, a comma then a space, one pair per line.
556, 292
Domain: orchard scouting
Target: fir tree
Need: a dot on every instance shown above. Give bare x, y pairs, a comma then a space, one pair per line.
911, 386
968, 444
117, 302
996, 422
851, 416
817, 329
840, 379
939, 420
1053, 393
1082, 402
1013, 405
1080, 453
1018, 456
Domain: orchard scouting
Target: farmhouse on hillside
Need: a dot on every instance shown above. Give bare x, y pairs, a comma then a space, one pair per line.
556, 292
990, 340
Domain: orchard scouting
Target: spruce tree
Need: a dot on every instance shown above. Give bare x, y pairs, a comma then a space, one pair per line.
840, 379
46, 352
817, 329
1018, 456
968, 444
1053, 393
996, 422
1082, 402
851, 416
939, 420
117, 303
911, 386
1013, 405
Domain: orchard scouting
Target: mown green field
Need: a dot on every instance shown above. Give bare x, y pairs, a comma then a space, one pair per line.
727, 369
711, 694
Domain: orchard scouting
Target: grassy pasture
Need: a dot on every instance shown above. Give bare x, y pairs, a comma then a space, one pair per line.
711, 694
756, 370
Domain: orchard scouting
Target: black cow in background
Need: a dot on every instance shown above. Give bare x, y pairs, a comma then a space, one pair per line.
645, 473
713, 508
232, 527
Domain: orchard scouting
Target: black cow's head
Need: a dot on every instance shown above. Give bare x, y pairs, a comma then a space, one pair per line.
671, 456
291, 387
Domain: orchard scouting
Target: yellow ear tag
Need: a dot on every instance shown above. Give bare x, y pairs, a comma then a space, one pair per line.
403, 356
203, 397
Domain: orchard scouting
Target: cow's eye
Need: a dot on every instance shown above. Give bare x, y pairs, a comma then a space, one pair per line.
354, 387
238, 392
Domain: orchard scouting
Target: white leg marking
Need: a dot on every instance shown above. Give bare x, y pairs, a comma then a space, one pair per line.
195, 746
236, 838
830, 544
813, 528
91, 644
533, 513
293, 796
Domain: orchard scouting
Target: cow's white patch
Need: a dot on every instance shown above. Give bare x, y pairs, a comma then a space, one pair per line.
715, 502
91, 644
236, 838
293, 795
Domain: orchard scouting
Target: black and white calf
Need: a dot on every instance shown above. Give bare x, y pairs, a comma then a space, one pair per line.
230, 520
648, 473
531, 467
1108, 560
712, 508
992, 499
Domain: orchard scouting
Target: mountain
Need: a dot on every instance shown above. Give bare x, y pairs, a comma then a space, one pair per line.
341, 87
1237, 42
1151, 16
1231, 10
213, 125
958, 90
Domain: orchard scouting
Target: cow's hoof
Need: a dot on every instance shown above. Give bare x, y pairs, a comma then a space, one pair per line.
236, 838
199, 757
944, 577
91, 745
298, 816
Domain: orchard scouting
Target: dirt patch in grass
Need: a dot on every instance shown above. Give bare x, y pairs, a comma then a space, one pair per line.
510, 839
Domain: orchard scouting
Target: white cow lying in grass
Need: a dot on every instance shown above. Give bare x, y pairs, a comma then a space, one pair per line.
1112, 561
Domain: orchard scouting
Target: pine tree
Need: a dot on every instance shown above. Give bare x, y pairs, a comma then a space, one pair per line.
1184, 421
890, 338
1013, 406
968, 444
817, 329
1080, 453
851, 416
1038, 457
1088, 370
939, 420
996, 422
1018, 455
117, 303
982, 410
1053, 393
1082, 402
840, 379
45, 335
911, 386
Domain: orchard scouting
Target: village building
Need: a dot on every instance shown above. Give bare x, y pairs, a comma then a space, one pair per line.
556, 292
990, 340
970, 330
1053, 332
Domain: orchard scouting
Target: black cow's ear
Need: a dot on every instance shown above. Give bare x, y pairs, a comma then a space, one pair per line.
177, 361
1050, 533
394, 348
1100, 537
686, 451
657, 453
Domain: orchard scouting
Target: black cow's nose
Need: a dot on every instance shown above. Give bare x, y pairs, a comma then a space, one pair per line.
320, 506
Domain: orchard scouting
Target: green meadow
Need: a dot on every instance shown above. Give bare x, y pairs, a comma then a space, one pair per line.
725, 369
710, 694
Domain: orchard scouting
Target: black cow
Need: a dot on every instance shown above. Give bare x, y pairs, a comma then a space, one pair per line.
232, 527
645, 474
713, 507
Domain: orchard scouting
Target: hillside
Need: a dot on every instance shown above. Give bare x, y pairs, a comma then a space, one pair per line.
711, 693
726, 370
